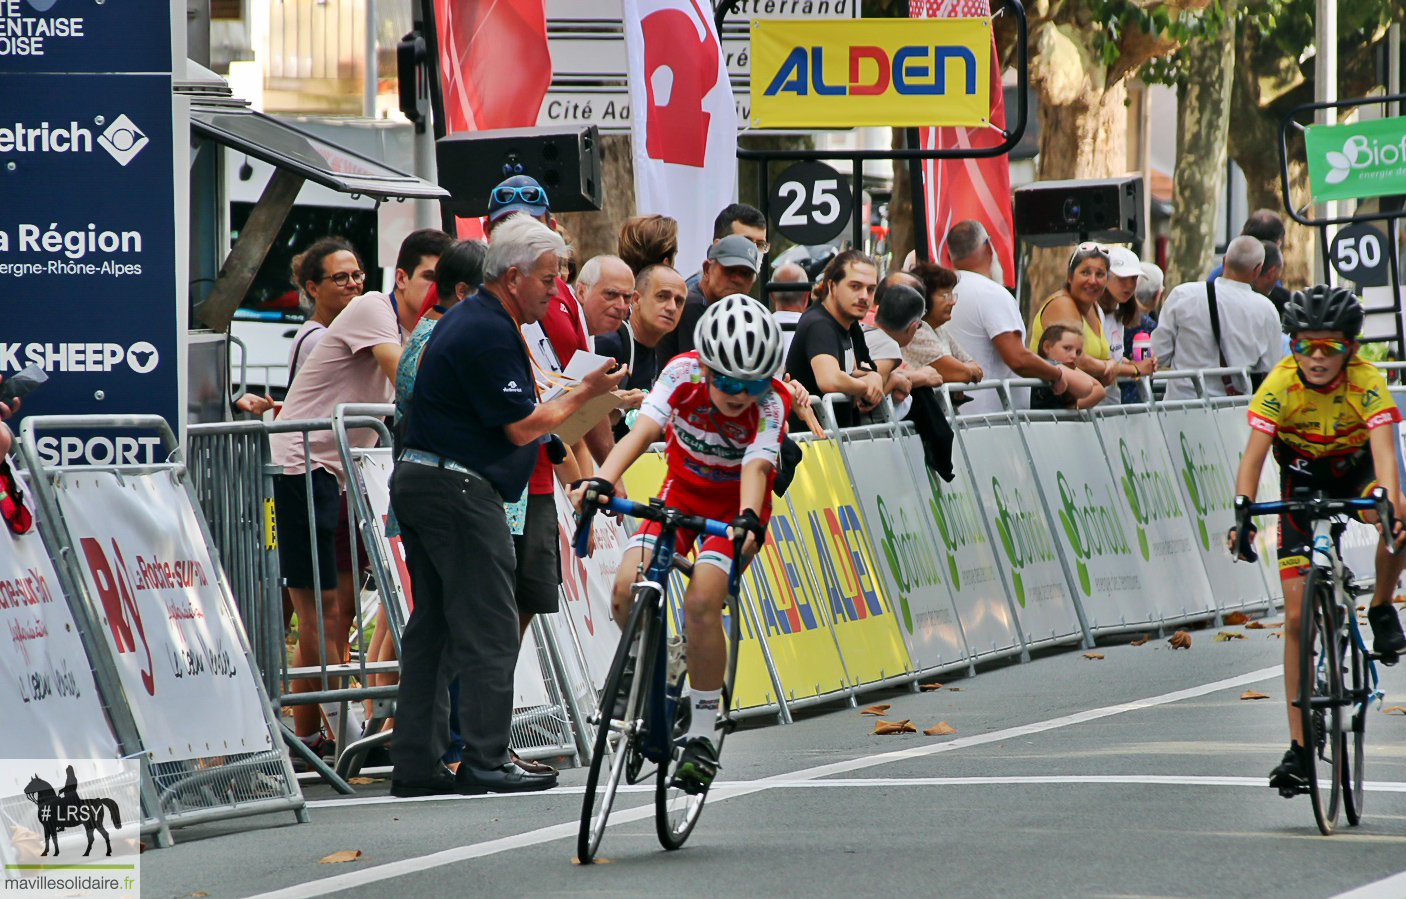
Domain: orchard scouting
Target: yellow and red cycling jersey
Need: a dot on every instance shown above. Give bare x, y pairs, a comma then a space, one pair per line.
1320, 422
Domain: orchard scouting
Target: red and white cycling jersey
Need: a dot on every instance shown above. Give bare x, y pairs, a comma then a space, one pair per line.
702, 447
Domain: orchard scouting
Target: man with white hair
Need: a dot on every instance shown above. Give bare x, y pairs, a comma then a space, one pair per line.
471, 443
1244, 332
986, 321
1149, 287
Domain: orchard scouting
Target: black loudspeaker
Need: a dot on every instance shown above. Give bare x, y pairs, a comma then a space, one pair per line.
565, 161
1059, 213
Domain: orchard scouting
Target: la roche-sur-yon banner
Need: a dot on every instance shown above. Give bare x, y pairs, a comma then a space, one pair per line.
87, 228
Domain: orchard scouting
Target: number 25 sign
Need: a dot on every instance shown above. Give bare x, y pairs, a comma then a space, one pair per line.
811, 203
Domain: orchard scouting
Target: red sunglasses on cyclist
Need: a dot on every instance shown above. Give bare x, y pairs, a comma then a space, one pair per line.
1307, 346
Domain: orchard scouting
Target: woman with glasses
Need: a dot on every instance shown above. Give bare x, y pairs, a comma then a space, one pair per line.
1077, 302
721, 410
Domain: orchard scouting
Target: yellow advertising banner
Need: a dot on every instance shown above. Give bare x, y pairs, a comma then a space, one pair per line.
847, 581
844, 74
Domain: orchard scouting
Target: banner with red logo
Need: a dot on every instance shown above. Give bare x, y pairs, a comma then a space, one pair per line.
683, 119
956, 190
173, 635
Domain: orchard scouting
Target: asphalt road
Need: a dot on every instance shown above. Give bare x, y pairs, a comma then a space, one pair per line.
1139, 774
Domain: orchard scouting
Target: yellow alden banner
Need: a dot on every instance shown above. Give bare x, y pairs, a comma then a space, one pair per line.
901, 72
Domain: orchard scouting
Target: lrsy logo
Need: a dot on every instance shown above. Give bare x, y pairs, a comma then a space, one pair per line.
1023, 534
1151, 496
122, 139
61, 809
1360, 153
1091, 529
913, 71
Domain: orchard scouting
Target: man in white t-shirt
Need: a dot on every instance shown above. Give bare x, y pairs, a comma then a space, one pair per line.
986, 322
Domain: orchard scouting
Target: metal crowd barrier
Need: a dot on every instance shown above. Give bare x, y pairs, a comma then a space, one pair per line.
218, 784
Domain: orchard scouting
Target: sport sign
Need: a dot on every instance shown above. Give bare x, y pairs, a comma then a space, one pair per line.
1366, 159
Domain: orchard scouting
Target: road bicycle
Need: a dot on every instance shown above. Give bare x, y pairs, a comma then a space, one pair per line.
654, 713
1337, 674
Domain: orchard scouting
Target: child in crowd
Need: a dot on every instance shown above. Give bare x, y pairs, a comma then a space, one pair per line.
1063, 344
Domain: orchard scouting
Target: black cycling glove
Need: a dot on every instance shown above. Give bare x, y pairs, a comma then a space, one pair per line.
747, 520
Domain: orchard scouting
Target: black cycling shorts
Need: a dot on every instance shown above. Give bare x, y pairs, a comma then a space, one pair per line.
1337, 476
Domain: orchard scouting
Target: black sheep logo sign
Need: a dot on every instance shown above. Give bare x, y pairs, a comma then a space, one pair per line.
71, 827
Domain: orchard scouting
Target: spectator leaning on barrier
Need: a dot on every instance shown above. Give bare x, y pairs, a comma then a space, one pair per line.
932, 346
471, 443
828, 354
731, 267
1248, 324
742, 220
354, 362
647, 240
1146, 295
895, 323
1077, 301
1119, 311
986, 321
655, 306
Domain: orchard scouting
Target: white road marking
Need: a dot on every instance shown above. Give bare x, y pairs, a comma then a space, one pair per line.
1392, 887
390, 870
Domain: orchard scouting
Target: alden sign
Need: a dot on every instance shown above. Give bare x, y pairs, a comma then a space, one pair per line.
816, 74
1347, 162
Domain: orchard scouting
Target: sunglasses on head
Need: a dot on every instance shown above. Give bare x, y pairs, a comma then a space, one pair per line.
733, 386
1307, 346
533, 196
1086, 249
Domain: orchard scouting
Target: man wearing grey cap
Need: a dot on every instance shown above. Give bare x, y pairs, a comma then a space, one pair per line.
731, 267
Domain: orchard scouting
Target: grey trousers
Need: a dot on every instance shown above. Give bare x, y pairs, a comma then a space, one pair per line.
464, 623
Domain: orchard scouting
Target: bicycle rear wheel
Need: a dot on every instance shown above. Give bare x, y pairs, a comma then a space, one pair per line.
675, 811
1320, 698
1355, 736
615, 741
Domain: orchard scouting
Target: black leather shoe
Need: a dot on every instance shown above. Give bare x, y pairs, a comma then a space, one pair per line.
507, 778
441, 784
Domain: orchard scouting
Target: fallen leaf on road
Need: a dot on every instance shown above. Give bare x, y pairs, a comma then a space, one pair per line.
1139, 641
1361, 608
346, 855
1180, 640
1279, 634
1394, 710
1236, 618
362, 781
940, 728
1251, 694
894, 727
599, 861
1227, 636
932, 686
875, 709
1093, 655
955, 689
1255, 626
194, 895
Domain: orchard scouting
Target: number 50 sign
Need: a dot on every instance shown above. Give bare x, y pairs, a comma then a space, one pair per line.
811, 203
1359, 253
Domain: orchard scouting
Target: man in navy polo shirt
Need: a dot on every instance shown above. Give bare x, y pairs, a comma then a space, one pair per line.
470, 444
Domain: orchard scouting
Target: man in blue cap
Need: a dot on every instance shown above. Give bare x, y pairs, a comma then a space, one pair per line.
520, 193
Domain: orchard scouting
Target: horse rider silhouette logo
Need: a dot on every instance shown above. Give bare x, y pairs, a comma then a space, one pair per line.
57, 811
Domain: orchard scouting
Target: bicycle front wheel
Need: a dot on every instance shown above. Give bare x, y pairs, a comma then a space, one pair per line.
676, 811
1355, 736
615, 740
1320, 698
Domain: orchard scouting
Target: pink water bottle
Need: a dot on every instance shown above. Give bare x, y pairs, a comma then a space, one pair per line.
1142, 346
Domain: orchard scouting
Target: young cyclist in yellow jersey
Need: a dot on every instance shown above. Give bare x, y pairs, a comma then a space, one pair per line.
1329, 419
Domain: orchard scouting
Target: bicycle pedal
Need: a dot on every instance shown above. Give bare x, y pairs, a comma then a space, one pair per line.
1291, 792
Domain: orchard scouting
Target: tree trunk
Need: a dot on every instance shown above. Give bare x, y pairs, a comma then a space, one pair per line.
1086, 137
1203, 118
595, 233
901, 226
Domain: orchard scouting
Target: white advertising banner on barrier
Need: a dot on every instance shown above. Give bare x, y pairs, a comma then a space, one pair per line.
174, 638
1094, 527
375, 467
586, 587
50, 704
1164, 547
1206, 480
1010, 502
1234, 430
908, 561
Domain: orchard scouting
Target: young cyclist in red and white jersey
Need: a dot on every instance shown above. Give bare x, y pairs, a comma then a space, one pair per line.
1328, 417
722, 411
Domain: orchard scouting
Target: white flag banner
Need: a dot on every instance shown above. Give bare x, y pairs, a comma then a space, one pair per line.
683, 120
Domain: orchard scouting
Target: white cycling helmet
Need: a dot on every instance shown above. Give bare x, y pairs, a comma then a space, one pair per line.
738, 337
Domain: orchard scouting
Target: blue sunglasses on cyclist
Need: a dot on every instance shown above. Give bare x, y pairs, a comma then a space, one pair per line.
733, 386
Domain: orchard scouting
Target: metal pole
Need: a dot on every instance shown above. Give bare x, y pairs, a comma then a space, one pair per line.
368, 72
1325, 90
918, 199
